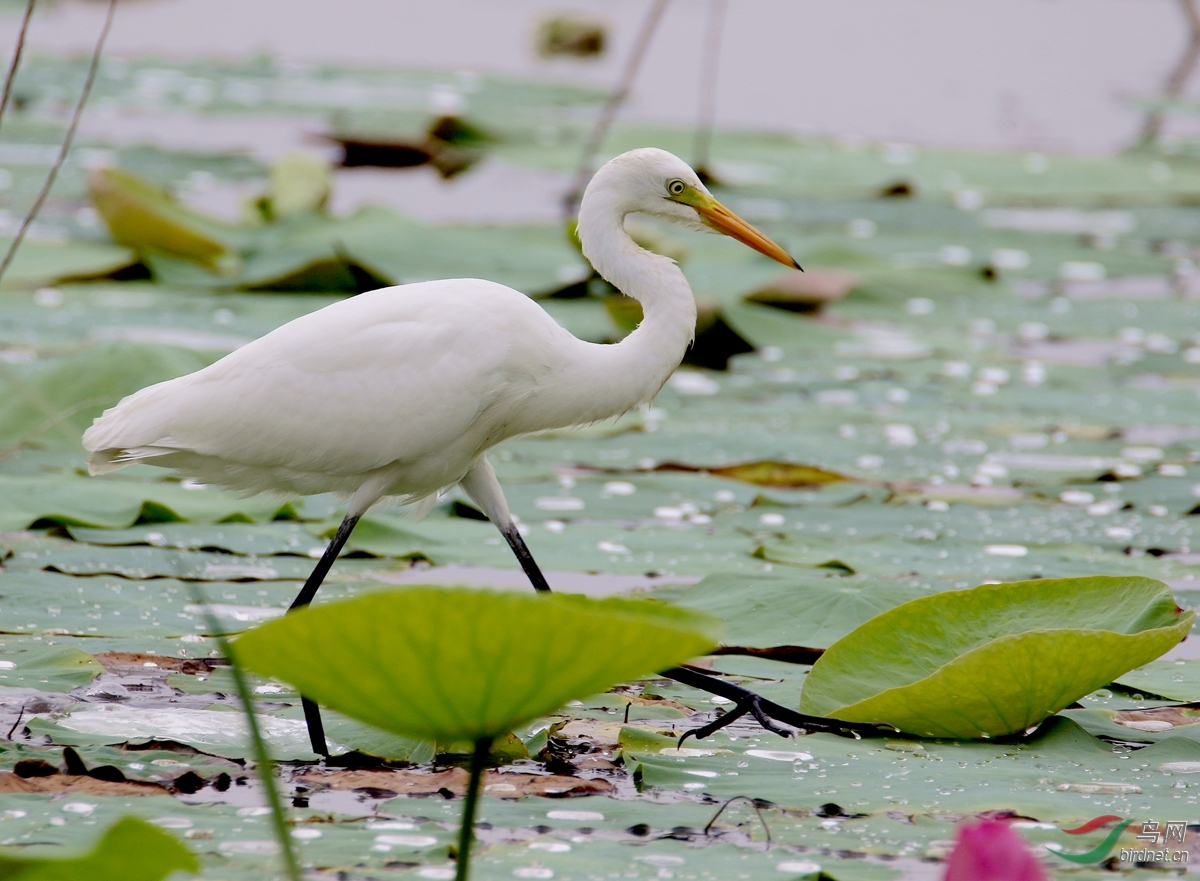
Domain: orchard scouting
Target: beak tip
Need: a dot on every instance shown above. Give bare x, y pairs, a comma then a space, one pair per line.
797, 265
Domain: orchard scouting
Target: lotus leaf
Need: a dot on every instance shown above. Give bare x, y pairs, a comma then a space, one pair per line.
996, 659
458, 664
131, 850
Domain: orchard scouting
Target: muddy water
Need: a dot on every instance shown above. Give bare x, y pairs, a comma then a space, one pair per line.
1026, 74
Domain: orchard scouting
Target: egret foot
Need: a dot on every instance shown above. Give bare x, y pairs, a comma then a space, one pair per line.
751, 705
765, 712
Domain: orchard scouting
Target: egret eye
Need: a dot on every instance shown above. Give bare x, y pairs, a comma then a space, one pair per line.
676, 187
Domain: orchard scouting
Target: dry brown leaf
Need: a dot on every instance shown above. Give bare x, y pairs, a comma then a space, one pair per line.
805, 291
70, 784
454, 780
1157, 718
123, 662
767, 472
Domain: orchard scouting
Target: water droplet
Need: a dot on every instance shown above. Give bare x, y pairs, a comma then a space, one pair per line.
550, 846
802, 866
779, 755
1100, 788
406, 840
575, 815
1180, 767
558, 503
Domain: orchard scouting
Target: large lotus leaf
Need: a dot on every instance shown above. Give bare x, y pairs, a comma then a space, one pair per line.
996, 659
782, 609
43, 261
1052, 776
1177, 680
1144, 724
54, 401
130, 850
449, 664
116, 501
222, 732
57, 668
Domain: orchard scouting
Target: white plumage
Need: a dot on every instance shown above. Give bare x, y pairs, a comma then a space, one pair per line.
399, 392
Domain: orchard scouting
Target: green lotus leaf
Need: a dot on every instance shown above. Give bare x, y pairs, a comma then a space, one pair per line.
131, 850
460, 664
995, 659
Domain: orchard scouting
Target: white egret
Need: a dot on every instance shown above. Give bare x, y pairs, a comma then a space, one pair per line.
398, 393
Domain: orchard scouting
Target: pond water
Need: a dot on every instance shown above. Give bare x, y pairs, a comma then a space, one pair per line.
1027, 74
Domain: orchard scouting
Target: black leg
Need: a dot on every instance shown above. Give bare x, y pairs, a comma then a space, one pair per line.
513, 537
312, 713
313, 584
747, 701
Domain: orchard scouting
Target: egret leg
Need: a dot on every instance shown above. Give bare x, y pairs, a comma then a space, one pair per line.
312, 713
521, 551
482, 486
317, 577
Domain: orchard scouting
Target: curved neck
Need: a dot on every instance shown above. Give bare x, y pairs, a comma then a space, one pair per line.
639, 365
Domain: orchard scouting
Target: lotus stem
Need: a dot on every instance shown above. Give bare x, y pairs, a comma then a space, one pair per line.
262, 756
466, 832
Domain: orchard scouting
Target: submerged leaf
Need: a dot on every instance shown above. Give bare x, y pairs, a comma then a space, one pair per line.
463, 664
996, 659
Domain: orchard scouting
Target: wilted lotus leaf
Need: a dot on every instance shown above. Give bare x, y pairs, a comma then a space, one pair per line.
767, 472
807, 291
144, 218
459, 664
996, 659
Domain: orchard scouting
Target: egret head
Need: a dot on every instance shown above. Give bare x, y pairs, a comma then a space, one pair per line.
658, 183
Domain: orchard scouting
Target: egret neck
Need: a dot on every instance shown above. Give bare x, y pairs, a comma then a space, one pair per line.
631, 372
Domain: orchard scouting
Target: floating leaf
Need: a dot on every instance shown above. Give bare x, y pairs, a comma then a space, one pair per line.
52, 403
337, 273
131, 850
808, 291
464, 664
57, 668
145, 218
1177, 680
996, 659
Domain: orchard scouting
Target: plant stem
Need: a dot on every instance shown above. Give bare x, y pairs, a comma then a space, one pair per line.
608, 113
706, 114
466, 831
16, 59
1177, 80
67, 139
262, 758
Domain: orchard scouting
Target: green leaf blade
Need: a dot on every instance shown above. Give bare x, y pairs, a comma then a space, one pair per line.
994, 660
131, 850
444, 663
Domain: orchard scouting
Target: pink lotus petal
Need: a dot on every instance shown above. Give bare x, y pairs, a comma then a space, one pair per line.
990, 851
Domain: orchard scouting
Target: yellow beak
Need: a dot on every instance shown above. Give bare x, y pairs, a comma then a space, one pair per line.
720, 218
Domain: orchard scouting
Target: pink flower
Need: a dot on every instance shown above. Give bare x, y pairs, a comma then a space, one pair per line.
990, 851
